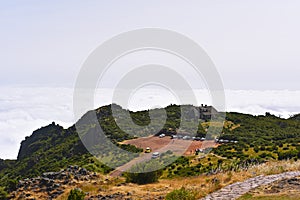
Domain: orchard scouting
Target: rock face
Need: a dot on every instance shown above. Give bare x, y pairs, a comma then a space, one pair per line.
38, 140
51, 184
236, 190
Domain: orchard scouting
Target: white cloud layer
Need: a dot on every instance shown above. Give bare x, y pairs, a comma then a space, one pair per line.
23, 110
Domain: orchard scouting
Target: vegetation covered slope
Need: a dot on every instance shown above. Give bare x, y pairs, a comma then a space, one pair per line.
52, 147
261, 137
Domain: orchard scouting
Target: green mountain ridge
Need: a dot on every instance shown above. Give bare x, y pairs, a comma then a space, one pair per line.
52, 147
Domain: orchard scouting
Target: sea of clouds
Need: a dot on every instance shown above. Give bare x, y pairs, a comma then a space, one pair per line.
23, 110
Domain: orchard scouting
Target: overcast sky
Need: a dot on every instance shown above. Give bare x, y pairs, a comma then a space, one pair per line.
43, 44
254, 44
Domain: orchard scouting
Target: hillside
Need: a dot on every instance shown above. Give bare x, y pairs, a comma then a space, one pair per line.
52, 148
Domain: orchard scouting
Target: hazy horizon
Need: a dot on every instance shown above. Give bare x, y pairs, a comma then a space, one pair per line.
23, 110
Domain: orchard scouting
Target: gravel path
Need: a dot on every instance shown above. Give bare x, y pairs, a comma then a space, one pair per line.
236, 190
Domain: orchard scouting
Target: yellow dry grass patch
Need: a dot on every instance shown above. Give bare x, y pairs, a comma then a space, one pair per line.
202, 185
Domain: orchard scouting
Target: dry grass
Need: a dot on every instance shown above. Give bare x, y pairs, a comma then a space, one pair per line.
271, 197
207, 184
202, 184
275, 167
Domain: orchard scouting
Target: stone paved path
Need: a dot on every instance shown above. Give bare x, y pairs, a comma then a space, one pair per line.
236, 190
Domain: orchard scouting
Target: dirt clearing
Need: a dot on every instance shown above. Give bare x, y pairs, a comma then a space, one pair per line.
175, 145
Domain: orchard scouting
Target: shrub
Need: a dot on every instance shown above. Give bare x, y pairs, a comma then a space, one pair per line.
280, 145
286, 155
76, 194
144, 173
143, 178
3, 194
182, 194
12, 185
265, 155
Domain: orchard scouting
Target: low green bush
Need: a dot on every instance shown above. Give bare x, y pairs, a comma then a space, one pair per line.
182, 194
3, 194
144, 173
76, 194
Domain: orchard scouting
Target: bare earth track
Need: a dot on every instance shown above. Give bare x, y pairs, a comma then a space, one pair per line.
236, 190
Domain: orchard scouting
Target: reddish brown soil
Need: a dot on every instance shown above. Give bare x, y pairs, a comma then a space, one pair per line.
175, 145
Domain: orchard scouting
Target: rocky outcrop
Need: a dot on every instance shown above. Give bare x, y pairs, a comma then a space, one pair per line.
122, 196
51, 184
39, 140
236, 190
115, 196
287, 187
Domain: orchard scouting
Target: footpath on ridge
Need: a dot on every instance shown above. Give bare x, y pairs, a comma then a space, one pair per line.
236, 190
